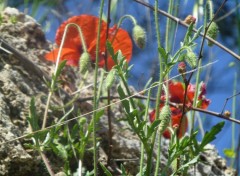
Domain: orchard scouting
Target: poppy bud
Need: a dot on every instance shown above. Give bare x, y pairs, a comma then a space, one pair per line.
181, 67
165, 116
212, 32
190, 19
191, 58
110, 78
83, 120
84, 62
139, 36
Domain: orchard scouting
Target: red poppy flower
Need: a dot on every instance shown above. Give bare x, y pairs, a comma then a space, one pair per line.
72, 48
176, 93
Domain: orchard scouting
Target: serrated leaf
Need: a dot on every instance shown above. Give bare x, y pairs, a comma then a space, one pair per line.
33, 119
211, 135
106, 171
191, 162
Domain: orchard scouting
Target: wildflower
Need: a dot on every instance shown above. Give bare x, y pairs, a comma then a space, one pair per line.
176, 95
72, 48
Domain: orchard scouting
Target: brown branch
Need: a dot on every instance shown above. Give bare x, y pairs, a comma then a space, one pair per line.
216, 114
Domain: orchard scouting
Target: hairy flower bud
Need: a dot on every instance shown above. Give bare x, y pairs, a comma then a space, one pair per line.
212, 32
84, 62
165, 116
110, 78
139, 36
191, 58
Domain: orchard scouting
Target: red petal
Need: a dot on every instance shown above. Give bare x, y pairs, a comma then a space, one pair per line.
68, 54
88, 25
176, 91
152, 116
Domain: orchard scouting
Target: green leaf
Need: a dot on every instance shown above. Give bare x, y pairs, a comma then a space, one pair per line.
123, 170
163, 53
188, 34
110, 49
211, 135
152, 127
188, 164
124, 101
106, 171
60, 67
33, 119
230, 153
197, 34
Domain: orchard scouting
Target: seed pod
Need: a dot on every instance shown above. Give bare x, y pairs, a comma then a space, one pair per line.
212, 32
191, 58
110, 78
190, 19
139, 36
165, 116
84, 62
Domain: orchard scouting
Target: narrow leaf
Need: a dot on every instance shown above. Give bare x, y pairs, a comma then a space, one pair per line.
211, 135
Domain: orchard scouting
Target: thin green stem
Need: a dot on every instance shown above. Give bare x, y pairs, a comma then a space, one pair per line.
95, 98
124, 17
142, 145
234, 114
149, 159
170, 10
53, 81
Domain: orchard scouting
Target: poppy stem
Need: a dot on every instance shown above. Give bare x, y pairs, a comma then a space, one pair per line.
108, 91
95, 97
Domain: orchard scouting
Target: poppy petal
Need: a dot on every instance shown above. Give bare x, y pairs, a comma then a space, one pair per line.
176, 91
88, 25
68, 54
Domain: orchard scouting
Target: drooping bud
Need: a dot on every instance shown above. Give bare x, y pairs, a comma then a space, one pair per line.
182, 68
190, 19
139, 36
84, 62
164, 116
191, 58
212, 32
110, 78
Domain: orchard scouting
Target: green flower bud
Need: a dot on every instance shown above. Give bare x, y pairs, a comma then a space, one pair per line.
84, 62
110, 78
191, 58
139, 36
212, 32
164, 116
83, 120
